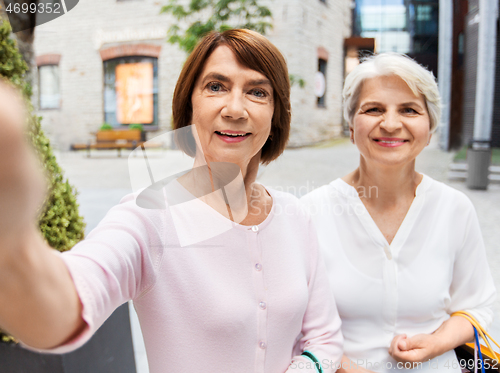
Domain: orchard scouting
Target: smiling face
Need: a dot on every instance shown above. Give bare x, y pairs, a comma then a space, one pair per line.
391, 125
232, 109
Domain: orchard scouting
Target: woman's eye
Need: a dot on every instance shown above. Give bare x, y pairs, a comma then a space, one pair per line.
409, 110
373, 110
258, 93
214, 87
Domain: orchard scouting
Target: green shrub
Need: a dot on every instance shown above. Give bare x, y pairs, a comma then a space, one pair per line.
495, 156
461, 155
60, 222
106, 127
12, 65
135, 126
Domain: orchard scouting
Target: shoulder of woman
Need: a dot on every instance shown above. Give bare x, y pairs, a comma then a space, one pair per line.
448, 195
136, 212
288, 203
318, 195
283, 197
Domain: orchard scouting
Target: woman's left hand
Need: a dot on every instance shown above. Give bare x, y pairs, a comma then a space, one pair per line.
419, 348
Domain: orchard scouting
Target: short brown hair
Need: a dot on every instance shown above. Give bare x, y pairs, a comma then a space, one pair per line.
254, 51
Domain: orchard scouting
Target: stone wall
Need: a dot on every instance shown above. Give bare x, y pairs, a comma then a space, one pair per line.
302, 29
79, 37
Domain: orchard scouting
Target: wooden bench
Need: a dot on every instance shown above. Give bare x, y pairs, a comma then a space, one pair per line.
115, 139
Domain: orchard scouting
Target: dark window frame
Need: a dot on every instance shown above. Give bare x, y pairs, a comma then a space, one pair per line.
322, 67
109, 89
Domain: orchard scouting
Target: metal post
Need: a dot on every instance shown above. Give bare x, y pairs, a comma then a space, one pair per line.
485, 83
479, 153
445, 53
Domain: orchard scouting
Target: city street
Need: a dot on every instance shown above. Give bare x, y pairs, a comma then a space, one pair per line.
103, 179
121, 75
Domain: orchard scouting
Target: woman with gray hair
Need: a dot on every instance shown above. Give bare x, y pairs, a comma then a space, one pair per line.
403, 251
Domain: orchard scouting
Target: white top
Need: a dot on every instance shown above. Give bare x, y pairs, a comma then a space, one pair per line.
240, 301
435, 265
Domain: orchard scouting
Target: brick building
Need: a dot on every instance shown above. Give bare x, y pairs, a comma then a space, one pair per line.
85, 56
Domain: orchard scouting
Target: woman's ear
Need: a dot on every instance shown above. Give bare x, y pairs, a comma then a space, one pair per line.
430, 137
351, 131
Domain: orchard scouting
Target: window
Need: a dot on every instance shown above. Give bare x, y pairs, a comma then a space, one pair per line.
131, 91
49, 94
424, 13
321, 82
426, 19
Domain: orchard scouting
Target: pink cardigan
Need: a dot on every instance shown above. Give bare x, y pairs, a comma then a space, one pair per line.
242, 301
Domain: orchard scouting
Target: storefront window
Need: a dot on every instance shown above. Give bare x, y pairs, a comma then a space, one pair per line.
50, 97
131, 91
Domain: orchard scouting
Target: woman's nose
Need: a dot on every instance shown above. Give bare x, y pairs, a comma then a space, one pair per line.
234, 107
391, 121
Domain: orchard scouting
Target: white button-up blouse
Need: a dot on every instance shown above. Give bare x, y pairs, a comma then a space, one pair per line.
435, 265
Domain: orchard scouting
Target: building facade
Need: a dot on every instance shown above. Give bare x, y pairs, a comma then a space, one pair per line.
470, 48
109, 61
402, 26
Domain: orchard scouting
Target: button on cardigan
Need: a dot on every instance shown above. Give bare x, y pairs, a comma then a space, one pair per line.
238, 302
435, 265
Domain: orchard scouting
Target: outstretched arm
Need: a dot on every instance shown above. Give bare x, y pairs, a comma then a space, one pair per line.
38, 300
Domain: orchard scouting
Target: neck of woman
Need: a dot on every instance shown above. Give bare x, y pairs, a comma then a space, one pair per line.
227, 173
250, 176
242, 198
384, 185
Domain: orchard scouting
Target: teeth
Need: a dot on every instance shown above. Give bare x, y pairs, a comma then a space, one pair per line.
232, 134
390, 142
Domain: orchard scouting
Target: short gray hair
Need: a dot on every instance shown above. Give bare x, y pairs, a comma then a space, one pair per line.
419, 80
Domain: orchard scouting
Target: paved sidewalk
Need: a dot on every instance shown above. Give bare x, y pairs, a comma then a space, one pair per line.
103, 180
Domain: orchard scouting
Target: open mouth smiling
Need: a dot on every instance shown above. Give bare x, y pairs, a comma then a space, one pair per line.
390, 142
240, 134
